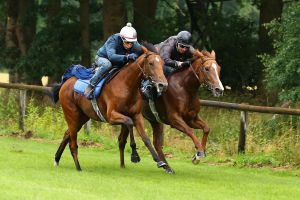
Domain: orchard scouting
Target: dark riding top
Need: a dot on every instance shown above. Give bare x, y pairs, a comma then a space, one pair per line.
168, 52
115, 52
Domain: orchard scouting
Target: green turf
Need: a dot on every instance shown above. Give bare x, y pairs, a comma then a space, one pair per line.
27, 172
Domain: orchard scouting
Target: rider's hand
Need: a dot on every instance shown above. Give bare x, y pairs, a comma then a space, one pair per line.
178, 64
186, 64
132, 56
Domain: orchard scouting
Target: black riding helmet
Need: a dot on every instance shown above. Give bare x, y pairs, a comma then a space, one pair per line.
184, 37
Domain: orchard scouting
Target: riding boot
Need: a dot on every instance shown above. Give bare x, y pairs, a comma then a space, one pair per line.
146, 90
88, 92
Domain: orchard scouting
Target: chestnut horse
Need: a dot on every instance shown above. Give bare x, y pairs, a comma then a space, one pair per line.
179, 105
120, 103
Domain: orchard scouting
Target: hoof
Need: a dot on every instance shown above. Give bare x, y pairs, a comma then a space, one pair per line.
161, 164
195, 160
170, 171
135, 158
56, 164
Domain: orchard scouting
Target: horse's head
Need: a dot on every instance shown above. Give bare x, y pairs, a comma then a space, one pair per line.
207, 71
152, 68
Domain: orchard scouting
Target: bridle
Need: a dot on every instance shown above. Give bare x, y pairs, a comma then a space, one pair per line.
145, 76
200, 69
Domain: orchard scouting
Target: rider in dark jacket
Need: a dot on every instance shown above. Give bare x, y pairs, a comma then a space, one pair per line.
119, 49
176, 51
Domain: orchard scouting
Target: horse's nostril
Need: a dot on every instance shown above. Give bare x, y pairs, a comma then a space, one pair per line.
219, 90
162, 85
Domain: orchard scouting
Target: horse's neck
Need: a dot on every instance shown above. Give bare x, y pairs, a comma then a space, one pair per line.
187, 79
131, 75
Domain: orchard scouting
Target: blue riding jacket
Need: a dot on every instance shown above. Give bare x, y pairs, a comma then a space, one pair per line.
115, 52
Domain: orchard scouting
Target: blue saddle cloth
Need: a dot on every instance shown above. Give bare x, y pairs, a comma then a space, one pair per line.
84, 75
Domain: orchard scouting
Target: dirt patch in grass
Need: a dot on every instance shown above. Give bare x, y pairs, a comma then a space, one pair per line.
89, 143
30, 135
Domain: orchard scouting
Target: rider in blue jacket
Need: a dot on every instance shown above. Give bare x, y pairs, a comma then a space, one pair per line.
119, 49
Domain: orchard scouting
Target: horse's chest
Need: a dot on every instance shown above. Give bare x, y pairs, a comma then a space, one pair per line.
191, 111
132, 105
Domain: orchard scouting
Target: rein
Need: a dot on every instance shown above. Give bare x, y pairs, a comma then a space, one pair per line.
142, 70
202, 71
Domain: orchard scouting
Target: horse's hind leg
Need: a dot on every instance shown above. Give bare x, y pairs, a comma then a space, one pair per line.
74, 149
122, 142
78, 119
61, 148
75, 118
158, 138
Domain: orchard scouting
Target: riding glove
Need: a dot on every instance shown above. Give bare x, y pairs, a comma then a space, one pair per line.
185, 64
132, 56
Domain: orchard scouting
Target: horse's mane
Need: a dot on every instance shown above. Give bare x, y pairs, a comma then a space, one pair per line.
197, 54
149, 46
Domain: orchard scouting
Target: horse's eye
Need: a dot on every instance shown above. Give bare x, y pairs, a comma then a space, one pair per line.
207, 68
151, 63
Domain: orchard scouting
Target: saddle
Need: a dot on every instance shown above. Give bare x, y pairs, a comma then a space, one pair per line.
81, 84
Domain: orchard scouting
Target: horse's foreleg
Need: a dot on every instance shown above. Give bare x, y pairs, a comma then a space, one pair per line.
122, 142
61, 148
135, 158
179, 124
158, 140
139, 124
118, 118
198, 123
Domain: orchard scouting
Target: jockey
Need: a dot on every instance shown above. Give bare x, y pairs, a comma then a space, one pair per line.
119, 49
176, 51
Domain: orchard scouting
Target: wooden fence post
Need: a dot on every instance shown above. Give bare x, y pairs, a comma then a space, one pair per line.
22, 108
243, 132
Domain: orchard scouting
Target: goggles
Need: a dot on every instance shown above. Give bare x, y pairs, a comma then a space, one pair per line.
126, 42
183, 46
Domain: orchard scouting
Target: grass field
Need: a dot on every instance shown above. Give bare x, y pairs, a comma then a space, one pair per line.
27, 172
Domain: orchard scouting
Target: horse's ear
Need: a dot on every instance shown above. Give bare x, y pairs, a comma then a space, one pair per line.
199, 54
213, 54
157, 50
145, 50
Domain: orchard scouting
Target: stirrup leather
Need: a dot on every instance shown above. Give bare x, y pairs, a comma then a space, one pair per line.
153, 110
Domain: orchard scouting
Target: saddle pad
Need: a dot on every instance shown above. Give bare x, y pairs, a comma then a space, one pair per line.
80, 86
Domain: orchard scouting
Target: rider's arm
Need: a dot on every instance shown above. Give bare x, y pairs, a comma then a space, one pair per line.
111, 50
137, 49
165, 53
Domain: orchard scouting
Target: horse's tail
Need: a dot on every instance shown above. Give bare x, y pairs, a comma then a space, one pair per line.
55, 92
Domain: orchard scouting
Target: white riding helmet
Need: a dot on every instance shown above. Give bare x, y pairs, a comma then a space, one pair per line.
128, 33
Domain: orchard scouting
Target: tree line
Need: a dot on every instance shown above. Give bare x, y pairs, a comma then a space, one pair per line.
43, 37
